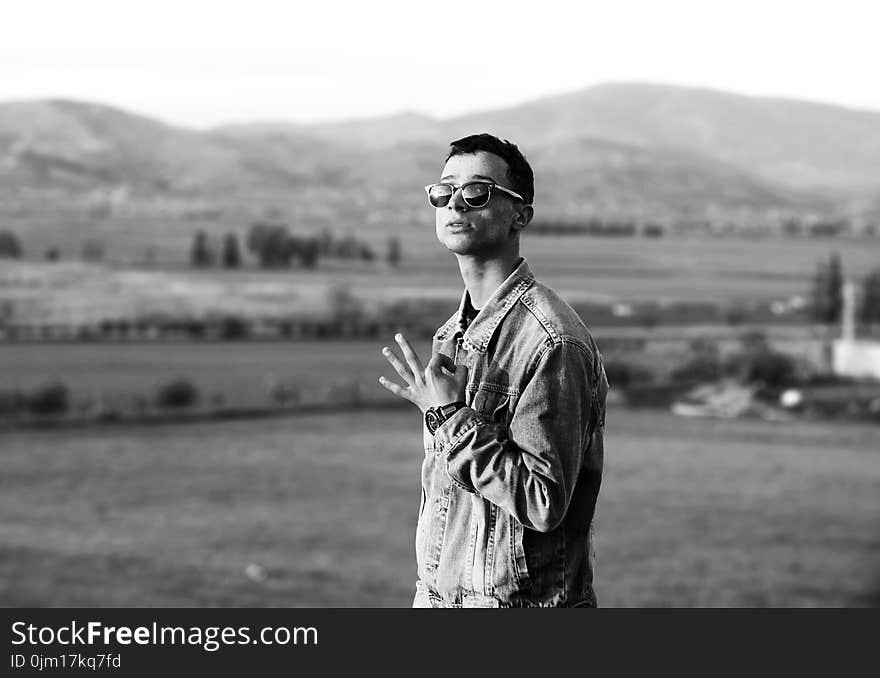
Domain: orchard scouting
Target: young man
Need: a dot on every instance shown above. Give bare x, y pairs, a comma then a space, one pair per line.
514, 408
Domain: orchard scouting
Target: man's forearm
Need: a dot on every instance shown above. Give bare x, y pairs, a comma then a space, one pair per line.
529, 470
532, 485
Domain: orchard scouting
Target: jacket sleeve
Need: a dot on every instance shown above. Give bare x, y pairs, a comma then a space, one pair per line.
530, 474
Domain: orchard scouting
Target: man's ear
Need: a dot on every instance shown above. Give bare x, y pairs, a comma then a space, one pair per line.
524, 216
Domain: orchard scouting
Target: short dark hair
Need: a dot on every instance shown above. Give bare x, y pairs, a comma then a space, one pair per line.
519, 172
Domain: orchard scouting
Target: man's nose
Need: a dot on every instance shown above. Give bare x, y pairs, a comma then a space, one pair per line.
456, 202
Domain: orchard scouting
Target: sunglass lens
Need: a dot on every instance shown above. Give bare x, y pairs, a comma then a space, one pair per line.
476, 195
439, 195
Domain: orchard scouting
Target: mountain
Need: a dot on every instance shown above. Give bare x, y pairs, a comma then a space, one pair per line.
643, 151
369, 133
59, 144
796, 143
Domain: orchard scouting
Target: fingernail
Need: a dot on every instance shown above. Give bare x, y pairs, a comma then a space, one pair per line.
398, 336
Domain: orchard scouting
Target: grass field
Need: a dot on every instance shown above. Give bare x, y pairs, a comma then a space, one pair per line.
692, 513
719, 270
241, 372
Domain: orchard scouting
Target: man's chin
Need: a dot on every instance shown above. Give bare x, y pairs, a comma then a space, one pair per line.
465, 244
462, 248
454, 242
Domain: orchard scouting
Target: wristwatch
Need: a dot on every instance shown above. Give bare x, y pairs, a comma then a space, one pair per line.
435, 416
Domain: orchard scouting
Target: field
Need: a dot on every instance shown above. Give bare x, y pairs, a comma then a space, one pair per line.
719, 270
242, 373
321, 510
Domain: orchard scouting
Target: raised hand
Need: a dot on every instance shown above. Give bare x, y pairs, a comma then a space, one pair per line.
440, 383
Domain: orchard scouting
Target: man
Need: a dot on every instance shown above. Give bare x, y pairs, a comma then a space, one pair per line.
514, 408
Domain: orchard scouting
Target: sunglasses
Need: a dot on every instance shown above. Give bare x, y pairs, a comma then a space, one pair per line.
474, 193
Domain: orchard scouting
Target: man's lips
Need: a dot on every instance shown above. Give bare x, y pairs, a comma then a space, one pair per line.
456, 224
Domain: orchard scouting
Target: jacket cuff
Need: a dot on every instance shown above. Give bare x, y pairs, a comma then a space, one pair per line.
450, 434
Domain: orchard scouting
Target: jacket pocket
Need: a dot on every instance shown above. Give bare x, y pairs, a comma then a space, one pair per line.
494, 406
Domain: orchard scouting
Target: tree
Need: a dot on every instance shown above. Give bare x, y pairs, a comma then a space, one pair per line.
309, 252
827, 291
92, 250
231, 252
49, 398
366, 252
10, 246
348, 248
869, 312
395, 253
291, 247
178, 393
201, 255
326, 242
343, 304
271, 243
53, 254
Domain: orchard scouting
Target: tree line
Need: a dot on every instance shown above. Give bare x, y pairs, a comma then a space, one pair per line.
272, 245
596, 226
275, 246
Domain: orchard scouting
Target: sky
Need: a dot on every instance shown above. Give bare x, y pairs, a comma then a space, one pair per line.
201, 64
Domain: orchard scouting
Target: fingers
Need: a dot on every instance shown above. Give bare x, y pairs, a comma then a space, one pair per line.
433, 365
442, 361
396, 389
398, 365
411, 358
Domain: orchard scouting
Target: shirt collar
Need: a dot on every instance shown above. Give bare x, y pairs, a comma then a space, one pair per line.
477, 336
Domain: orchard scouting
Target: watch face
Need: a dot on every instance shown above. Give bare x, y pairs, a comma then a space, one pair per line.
432, 419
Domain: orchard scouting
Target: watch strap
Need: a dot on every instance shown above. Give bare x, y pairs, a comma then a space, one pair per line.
435, 416
447, 411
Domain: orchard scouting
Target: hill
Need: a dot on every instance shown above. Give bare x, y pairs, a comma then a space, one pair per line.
797, 143
647, 152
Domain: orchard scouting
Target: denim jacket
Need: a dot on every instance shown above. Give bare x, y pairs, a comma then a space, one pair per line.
509, 483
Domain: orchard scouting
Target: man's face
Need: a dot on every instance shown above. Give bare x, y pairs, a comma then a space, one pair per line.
484, 230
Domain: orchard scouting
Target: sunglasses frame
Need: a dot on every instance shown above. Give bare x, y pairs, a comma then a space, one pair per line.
455, 187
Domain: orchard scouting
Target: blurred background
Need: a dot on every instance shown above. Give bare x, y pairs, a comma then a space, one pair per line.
212, 219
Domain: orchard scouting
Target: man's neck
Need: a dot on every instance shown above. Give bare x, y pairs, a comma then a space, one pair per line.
483, 276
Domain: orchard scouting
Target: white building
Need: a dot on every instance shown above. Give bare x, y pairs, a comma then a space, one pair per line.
852, 357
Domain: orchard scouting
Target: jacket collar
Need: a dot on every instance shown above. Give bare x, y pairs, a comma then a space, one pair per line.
478, 335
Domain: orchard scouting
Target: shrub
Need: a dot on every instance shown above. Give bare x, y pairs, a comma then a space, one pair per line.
622, 375
284, 392
768, 368
11, 402
10, 246
735, 314
754, 341
234, 327
704, 367
177, 394
50, 398
92, 250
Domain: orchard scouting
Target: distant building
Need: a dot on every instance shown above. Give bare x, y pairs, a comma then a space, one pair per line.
853, 357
